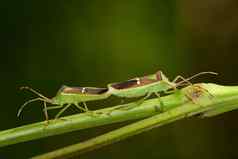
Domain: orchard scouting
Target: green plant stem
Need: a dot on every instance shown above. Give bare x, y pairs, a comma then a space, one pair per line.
224, 97
175, 103
80, 121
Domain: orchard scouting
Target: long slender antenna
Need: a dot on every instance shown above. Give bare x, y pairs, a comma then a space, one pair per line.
25, 104
196, 75
35, 92
201, 73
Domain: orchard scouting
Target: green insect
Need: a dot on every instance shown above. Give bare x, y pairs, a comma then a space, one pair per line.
67, 96
147, 85
137, 87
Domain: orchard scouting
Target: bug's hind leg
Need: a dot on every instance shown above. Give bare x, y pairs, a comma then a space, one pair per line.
62, 110
137, 103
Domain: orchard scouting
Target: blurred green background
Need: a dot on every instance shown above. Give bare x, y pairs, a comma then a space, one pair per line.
89, 43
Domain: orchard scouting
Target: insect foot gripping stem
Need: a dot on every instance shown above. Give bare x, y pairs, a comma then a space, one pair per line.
40, 98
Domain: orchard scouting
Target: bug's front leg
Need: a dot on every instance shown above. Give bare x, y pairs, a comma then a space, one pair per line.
46, 113
161, 105
182, 78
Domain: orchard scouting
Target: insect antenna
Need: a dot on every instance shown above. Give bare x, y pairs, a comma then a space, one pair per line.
201, 73
27, 102
40, 98
181, 83
35, 92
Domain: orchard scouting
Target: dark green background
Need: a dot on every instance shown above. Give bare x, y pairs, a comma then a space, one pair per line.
89, 43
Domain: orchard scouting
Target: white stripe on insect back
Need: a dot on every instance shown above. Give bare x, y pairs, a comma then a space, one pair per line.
83, 90
138, 81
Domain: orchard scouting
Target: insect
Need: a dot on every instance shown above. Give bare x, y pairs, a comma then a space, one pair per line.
137, 87
67, 96
147, 85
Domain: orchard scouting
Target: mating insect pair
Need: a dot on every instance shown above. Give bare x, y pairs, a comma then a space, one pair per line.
137, 87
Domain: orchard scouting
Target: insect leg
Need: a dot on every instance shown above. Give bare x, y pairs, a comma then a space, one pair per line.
171, 85
183, 80
85, 109
161, 106
62, 110
85, 106
49, 108
45, 112
80, 108
54, 107
140, 101
29, 101
137, 103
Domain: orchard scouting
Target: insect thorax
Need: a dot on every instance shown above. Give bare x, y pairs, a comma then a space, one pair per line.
58, 100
